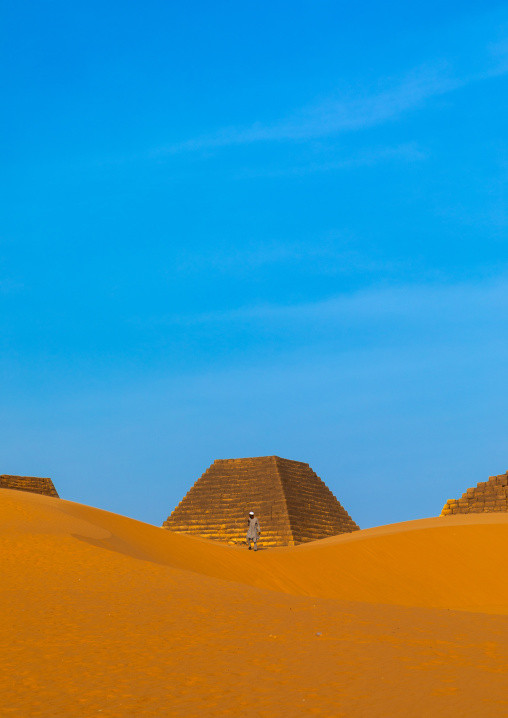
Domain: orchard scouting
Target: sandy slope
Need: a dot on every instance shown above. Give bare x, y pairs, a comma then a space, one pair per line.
102, 615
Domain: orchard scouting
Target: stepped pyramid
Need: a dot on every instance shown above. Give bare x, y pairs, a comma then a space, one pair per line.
34, 484
491, 495
292, 503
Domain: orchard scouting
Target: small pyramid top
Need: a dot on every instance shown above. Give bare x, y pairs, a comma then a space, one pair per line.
292, 503
487, 496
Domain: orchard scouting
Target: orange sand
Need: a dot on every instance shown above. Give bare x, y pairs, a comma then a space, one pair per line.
105, 616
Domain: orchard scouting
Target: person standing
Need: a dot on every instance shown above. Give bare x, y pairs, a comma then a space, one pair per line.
253, 531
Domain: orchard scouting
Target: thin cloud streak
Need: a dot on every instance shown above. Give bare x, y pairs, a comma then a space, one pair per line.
461, 302
335, 116
330, 252
409, 152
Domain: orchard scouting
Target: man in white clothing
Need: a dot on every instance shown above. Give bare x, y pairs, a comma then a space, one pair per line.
253, 531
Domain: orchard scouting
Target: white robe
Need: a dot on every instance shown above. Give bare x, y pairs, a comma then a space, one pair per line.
253, 530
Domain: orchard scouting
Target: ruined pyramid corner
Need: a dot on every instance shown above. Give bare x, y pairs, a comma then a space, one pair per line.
486, 497
32, 484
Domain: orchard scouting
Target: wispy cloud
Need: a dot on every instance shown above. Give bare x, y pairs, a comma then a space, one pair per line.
331, 253
408, 152
335, 115
480, 302
358, 110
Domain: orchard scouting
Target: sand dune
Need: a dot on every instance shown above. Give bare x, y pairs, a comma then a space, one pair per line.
447, 562
103, 615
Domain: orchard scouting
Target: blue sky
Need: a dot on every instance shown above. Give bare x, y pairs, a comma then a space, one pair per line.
236, 230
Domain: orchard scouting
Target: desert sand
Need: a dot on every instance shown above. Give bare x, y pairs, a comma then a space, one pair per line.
106, 616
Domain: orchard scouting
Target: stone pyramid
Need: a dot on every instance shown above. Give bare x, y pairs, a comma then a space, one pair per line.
491, 495
34, 484
292, 503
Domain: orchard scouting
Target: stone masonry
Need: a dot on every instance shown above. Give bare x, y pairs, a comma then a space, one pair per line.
34, 484
292, 503
491, 495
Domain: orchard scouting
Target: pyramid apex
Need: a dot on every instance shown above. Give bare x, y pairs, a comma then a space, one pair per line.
260, 458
